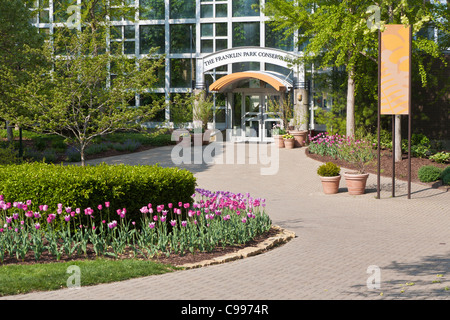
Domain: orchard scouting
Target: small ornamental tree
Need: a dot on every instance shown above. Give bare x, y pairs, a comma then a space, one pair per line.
84, 89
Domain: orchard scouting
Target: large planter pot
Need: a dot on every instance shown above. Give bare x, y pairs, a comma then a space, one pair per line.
289, 143
299, 136
330, 185
356, 182
279, 142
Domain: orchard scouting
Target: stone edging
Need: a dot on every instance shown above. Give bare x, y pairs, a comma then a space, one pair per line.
282, 237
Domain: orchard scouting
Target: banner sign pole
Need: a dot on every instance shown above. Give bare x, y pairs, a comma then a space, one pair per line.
394, 86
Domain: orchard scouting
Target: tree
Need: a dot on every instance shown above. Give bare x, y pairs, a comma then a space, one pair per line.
339, 35
85, 89
16, 36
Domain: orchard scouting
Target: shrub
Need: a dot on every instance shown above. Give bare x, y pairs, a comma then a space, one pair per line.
329, 169
446, 179
441, 157
82, 187
445, 172
429, 173
8, 156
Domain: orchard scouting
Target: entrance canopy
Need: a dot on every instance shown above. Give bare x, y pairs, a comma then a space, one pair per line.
278, 81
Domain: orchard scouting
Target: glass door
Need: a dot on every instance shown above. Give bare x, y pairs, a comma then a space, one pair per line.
270, 117
251, 117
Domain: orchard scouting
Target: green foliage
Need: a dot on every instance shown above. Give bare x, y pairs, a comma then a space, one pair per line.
203, 109
441, 157
329, 169
8, 156
429, 173
75, 186
445, 172
446, 179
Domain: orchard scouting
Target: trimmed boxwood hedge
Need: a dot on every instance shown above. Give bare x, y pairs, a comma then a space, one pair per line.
124, 186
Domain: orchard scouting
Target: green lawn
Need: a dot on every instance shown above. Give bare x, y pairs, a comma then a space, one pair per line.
19, 279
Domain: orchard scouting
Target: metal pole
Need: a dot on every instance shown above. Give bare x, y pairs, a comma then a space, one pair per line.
379, 114
409, 115
393, 155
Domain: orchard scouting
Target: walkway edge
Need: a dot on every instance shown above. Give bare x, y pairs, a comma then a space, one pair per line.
282, 237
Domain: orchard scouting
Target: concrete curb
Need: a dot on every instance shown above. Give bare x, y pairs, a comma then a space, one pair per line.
283, 236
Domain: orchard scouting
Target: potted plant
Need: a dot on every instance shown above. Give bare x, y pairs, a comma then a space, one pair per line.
330, 177
282, 110
288, 141
359, 153
278, 132
299, 134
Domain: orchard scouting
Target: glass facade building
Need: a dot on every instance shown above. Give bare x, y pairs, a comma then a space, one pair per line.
190, 33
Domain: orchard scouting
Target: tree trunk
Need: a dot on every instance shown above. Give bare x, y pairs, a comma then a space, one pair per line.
9, 132
83, 161
398, 138
350, 104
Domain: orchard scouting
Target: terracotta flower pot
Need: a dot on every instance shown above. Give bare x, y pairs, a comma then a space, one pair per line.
330, 185
279, 142
356, 182
289, 143
299, 136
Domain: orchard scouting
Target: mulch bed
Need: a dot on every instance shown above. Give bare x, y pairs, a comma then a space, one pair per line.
401, 167
172, 259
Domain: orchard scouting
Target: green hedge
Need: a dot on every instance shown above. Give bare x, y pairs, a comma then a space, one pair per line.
124, 186
429, 173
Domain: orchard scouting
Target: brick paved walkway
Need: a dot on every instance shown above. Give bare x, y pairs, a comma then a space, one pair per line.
337, 238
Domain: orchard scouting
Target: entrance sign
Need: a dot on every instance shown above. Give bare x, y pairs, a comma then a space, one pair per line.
395, 70
394, 87
248, 54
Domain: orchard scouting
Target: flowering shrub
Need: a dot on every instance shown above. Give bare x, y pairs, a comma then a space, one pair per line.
278, 130
326, 145
212, 219
358, 152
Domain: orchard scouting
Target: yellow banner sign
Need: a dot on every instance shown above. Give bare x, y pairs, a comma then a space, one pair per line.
395, 70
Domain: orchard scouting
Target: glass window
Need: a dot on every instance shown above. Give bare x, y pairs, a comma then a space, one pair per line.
180, 9
207, 30
180, 38
221, 10
277, 39
151, 9
180, 73
221, 30
243, 8
246, 66
206, 11
152, 37
129, 32
129, 47
207, 46
221, 44
246, 34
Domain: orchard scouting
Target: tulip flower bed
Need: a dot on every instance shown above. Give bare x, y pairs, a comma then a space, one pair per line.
29, 231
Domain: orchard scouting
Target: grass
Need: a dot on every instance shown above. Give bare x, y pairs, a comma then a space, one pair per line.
20, 279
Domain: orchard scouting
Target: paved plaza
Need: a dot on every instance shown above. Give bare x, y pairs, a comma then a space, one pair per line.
343, 243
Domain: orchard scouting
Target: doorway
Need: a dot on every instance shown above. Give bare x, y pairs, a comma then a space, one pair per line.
252, 117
